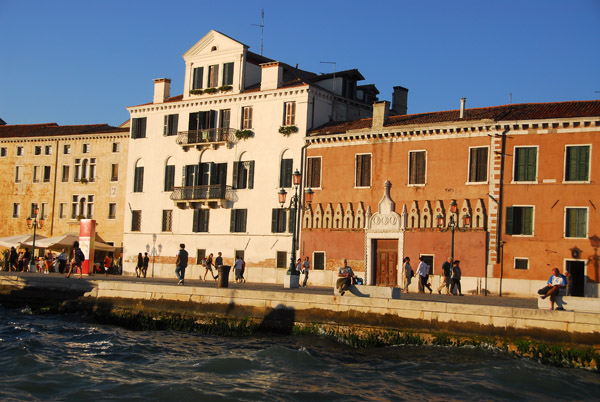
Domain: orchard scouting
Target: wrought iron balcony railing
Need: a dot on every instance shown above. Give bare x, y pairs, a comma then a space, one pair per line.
212, 193
207, 136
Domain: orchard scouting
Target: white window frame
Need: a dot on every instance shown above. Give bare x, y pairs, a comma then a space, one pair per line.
16, 210
20, 151
321, 172
37, 150
532, 220
3, 152
587, 222
18, 174
521, 258
86, 148
355, 170
35, 175
537, 164
62, 207
289, 113
246, 119
408, 183
116, 147
565, 165
48, 150
487, 176
66, 149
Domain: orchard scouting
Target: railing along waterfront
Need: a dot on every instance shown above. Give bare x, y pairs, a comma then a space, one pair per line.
206, 136
202, 193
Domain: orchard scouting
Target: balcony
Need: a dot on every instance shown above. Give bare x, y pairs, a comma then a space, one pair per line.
211, 196
209, 137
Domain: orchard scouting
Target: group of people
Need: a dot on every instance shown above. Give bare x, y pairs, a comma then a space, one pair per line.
21, 261
207, 262
142, 265
451, 274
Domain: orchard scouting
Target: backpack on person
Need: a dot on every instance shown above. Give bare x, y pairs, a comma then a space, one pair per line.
79, 256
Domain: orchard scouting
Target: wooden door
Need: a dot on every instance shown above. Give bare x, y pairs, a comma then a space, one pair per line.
387, 263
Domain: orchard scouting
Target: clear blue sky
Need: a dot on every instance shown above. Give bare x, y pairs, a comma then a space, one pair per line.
85, 61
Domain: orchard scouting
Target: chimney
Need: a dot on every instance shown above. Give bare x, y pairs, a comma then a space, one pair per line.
400, 100
381, 110
272, 76
162, 89
462, 107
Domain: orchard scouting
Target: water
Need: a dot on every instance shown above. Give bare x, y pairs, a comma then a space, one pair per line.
61, 358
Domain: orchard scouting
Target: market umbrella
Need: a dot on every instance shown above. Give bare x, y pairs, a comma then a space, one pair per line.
66, 241
17, 240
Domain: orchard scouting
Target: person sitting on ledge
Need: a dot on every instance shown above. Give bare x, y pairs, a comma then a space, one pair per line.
556, 282
345, 275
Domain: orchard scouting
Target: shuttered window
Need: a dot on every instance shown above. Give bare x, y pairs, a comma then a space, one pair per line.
525, 164
278, 220
213, 76
200, 220
417, 167
363, 170
238, 221
136, 221
519, 221
169, 177
138, 128
138, 179
576, 222
246, 117
313, 173
171, 122
197, 78
289, 113
478, 165
243, 175
285, 173
577, 164
228, 74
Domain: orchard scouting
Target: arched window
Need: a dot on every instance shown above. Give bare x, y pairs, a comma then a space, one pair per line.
138, 177
285, 169
169, 175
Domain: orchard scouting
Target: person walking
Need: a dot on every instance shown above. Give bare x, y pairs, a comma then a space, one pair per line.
407, 273
423, 275
62, 261
77, 260
446, 274
13, 260
181, 263
243, 270
48, 261
305, 268
238, 266
139, 265
145, 264
208, 264
456, 274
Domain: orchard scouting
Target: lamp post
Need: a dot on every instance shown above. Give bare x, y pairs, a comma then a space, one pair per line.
33, 222
452, 224
295, 202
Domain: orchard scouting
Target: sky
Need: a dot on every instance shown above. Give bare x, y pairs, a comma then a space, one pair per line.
85, 61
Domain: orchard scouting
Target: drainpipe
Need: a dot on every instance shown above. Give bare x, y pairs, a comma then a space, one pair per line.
499, 242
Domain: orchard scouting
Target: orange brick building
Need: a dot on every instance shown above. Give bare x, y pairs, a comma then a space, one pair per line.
522, 176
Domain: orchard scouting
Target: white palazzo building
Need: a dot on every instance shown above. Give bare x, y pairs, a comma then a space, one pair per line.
195, 179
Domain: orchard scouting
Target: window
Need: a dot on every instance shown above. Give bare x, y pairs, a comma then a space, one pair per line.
238, 221
522, 263
239, 254
363, 170
213, 76
85, 148
36, 174
92, 169
576, 222
285, 173
525, 164
225, 118
319, 260
37, 150
116, 147
44, 211
167, 220
16, 210
228, 74
200, 255
169, 178
243, 175
19, 151
3, 152
66, 149
18, 174
74, 205
136, 220
428, 259
289, 113
77, 170
138, 128
90, 207
313, 173
246, 117
519, 221
112, 210
170, 124
65, 173
417, 167
200, 220
47, 174
281, 259
478, 162
34, 206
114, 172
577, 163
62, 210
279, 220
197, 78
138, 179
48, 150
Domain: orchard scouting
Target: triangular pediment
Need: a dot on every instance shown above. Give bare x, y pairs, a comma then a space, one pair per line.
211, 41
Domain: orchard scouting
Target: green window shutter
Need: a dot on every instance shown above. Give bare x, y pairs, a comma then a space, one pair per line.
174, 124
244, 213
509, 221
169, 177
531, 164
228, 74
581, 222
195, 221
285, 175
204, 215
251, 175
584, 162
197, 81
527, 221
166, 125
234, 181
274, 220
520, 163
291, 225
213, 173
232, 220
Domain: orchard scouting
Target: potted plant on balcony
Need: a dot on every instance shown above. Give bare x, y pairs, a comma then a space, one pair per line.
225, 88
243, 134
288, 130
196, 91
210, 91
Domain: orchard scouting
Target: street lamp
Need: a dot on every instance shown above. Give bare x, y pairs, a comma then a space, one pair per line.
33, 222
293, 208
452, 224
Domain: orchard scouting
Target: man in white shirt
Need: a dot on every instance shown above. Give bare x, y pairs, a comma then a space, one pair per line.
555, 283
423, 275
238, 265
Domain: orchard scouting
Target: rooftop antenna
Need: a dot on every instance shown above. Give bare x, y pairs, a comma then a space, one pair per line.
262, 29
331, 62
